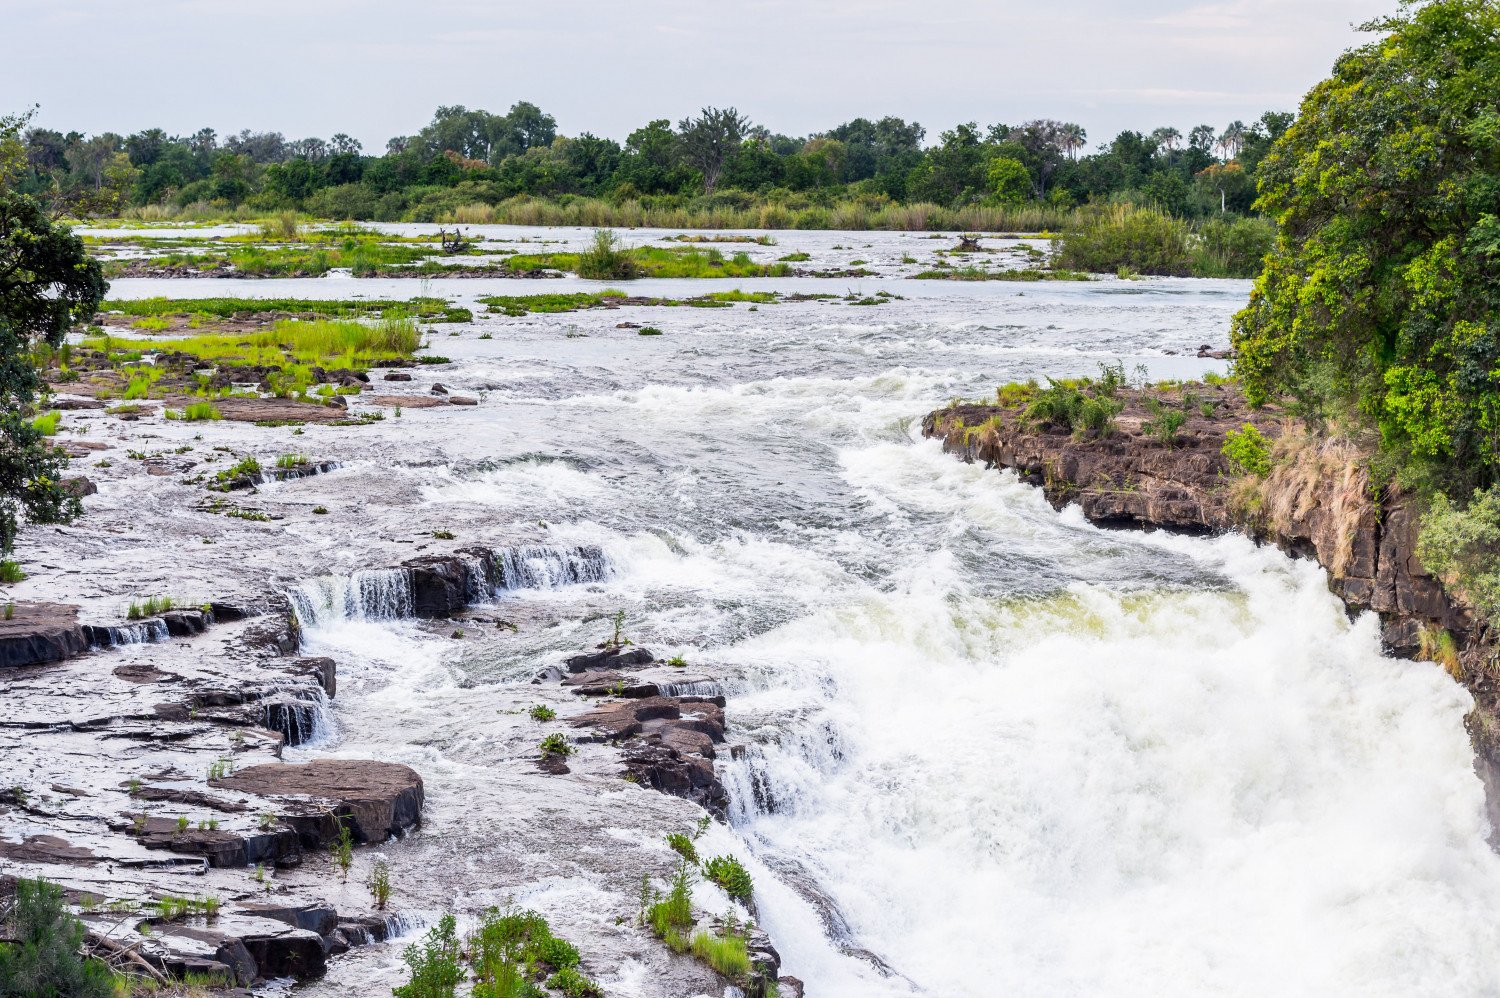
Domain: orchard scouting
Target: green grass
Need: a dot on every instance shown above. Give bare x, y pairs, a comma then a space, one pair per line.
10, 571
431, 309
726, 954
651, 261
518, 305
980, 274
196, 413
339, 342
364, 257
150, 608
46, 424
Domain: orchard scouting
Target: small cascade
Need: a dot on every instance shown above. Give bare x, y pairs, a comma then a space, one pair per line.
300, 711
139, 632
550, 566
372, 594
402, 923
697, 688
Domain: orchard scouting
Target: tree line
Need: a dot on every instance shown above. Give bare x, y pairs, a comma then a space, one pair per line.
718, 157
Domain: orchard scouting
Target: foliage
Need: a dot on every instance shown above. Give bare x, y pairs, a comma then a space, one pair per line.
379, 883
47, 283
541, 712
431, 309
1083, 409
42, 959
1146, 240
556, 744
342, 849
434, 964
1247, 451
726, 953
730, 874
346, 342
1165, 421
683, 846
1462, 547
1381, 296
603, 260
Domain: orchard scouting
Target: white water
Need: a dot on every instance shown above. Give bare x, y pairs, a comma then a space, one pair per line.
1000, 750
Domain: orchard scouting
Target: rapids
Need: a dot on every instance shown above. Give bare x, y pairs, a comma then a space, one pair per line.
992, 749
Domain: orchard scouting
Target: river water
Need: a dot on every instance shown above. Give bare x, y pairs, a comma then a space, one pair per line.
991, 748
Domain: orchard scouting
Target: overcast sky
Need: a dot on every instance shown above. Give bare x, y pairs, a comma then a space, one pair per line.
377, 68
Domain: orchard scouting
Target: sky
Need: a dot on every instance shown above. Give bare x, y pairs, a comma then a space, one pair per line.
377, 68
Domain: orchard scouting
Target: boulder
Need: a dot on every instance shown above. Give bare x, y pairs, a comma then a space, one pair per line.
37, 633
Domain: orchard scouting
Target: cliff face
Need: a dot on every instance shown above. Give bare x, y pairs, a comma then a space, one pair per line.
1315, 503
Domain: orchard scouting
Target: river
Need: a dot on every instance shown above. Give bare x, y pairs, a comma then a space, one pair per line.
991, 749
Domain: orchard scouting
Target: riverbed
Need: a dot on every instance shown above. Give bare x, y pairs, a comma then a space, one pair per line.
988, 748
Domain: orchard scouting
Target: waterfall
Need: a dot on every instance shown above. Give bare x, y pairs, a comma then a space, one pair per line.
140, 633
371, 594
550, 566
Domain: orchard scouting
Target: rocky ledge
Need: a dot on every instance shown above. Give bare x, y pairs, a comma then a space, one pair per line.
1316, 502
143, 774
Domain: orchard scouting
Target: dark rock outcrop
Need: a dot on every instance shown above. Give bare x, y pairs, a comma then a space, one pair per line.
666, 743
375, 799
36, 633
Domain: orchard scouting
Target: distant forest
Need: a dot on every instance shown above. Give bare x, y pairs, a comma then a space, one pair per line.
467, 163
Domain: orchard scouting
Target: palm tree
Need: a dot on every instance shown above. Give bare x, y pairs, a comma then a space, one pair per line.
1072, 138
1233, 139
1167, 138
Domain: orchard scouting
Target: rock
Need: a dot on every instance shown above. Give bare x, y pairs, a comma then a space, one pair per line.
376, 799
70, 404
185, 623
397, 376
610, 658
41, 632
627, 325
323, 670
438, 388
407, 401
274, 410
462, 400
442, 585
79, 486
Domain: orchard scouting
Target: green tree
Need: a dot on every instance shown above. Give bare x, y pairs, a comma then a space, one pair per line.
709, 140
43, 959
1381, 297
47, 284
1009, 180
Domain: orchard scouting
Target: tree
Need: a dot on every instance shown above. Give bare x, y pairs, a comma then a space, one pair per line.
1009, 181
1073, 137
1381, 297
708, 141
47, 283
44, 959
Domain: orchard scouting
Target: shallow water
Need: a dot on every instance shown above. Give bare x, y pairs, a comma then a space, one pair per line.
995, 748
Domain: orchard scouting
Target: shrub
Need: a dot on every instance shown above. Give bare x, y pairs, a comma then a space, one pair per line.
731, 875
1068, 406
1232, 248
434, 965
683, 846
1145, 240
342, 850
603, 260
379, 883
1247, 451
1164, 422
1462, 547
541, 712
10, 571
46, 424
42, 957
571, 982
556, 744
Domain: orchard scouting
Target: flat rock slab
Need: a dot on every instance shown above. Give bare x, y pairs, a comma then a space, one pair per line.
247, 410
375, 799
408, 401
41, 632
